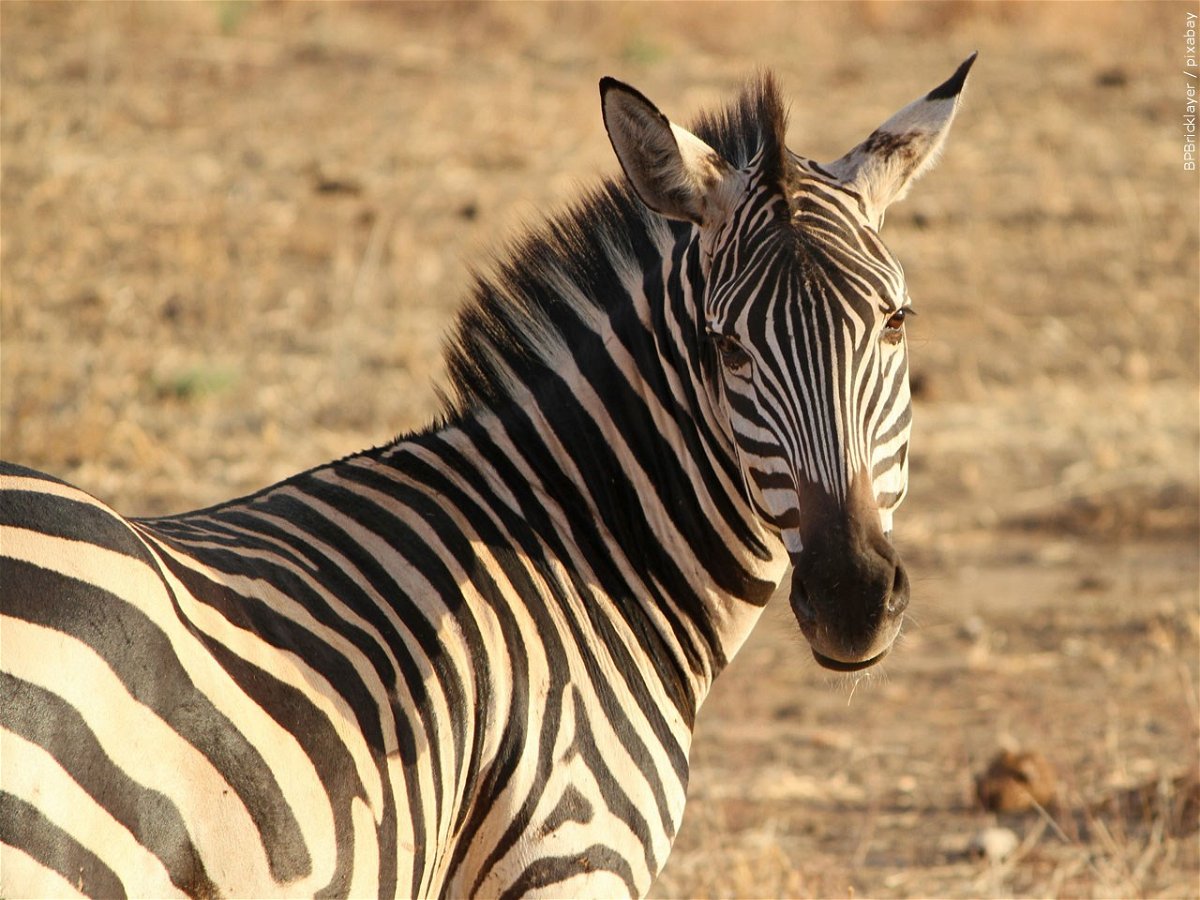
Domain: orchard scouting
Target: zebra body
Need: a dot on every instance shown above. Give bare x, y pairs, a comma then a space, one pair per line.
434, 710
469, 662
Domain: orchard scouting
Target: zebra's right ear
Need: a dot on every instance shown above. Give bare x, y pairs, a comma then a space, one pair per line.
673, 172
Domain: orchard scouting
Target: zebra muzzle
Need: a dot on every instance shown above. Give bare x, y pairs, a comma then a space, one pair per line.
830, 645
849, 587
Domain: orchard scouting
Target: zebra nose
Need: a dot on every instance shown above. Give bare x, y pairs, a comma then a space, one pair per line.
849, 586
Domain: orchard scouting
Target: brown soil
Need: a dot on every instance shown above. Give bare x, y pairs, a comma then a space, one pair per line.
234, 233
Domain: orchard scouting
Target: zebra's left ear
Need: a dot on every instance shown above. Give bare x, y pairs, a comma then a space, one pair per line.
903, 148
674, 172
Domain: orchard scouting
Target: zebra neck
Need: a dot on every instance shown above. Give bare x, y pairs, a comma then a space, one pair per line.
578, 379
609, 552
610, 472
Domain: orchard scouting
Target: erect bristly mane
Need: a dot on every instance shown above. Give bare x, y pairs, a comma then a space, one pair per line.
756, 121
575, 268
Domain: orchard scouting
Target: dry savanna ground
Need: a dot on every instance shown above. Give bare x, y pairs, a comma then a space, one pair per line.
233, 234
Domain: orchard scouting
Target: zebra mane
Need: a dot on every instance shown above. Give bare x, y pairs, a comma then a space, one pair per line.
569, 271
756, 121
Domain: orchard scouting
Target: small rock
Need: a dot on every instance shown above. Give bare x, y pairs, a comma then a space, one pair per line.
993, 844
972, 628
1015, 782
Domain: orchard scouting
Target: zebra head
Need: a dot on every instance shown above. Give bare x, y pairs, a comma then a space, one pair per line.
802, 309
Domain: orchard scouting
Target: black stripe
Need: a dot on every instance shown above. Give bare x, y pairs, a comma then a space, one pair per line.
613, 700
572, 806
613, 794
45, 719
429, 563
255, 531
257, 615
481, 519
534, 529
142, 658
518, 822
548, 870
74, 520
23, 826
297, 715
372, 517
514, 743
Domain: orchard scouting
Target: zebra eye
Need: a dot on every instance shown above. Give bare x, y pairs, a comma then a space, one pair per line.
893, 330
732, 354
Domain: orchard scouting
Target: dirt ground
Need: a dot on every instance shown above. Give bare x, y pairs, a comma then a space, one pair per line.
234, 233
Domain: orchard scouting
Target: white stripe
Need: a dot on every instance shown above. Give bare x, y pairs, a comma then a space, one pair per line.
142, 743
21, 876
30, 773
285, 665
147, 750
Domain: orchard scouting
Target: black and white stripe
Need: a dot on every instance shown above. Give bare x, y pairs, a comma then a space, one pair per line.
469, 661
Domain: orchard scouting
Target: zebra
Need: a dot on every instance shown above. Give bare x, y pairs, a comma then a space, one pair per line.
469, 661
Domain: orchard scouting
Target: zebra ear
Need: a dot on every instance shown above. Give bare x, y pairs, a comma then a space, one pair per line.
673, 172
903, 148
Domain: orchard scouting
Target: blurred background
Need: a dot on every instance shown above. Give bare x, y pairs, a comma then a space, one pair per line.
232, 235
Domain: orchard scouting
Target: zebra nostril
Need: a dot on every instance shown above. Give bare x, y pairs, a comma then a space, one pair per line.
897, 600
801, 603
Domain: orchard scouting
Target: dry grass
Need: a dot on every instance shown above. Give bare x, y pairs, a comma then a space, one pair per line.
233, 234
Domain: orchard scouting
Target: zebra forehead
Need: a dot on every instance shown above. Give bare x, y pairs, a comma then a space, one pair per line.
812, 190
830, 218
